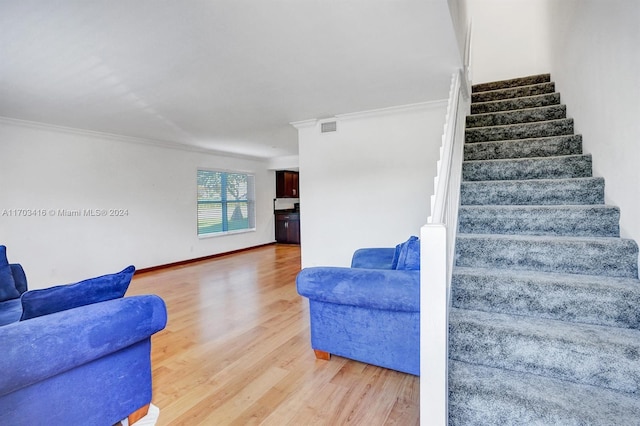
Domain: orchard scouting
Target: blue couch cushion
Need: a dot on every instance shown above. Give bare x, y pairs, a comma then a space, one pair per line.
373, 258
408, 255
10, 311
36, 303
8, 289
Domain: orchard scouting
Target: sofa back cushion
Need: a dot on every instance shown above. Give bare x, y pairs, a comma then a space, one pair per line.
8, 289
36, 303
408, 254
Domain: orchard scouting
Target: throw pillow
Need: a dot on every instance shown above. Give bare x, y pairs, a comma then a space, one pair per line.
8, 289
36, 303
3, 256
396, 256
409, 256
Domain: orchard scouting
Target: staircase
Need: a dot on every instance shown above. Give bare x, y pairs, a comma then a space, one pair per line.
545, 317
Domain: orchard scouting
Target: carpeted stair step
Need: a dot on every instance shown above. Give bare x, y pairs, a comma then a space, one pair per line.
522, 148
480, 395
530, 192
514, 92
542, 129
512, 82
582, 353
560, 167
528, 115
516, 103
586, 220
615, 257
589, 299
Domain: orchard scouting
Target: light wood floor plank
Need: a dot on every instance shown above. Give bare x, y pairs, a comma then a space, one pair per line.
236, 351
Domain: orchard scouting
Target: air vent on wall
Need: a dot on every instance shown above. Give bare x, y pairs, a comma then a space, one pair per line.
328, 126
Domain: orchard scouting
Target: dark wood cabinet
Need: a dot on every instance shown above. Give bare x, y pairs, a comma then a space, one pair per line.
288, 228
287, 184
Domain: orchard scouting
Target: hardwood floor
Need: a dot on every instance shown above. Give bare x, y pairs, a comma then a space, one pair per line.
236, 351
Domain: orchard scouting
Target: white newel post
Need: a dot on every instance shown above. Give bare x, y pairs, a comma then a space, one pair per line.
433, 330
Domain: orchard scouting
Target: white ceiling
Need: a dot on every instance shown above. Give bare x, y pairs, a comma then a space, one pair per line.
225, 75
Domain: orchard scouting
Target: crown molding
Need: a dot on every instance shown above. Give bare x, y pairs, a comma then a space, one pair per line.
440, 103
304, 123
121, 138
393, 110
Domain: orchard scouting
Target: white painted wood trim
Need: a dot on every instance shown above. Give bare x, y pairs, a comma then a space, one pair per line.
433, 325
437, 253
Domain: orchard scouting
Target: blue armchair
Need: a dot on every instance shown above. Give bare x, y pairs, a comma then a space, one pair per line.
87, 363
369, 312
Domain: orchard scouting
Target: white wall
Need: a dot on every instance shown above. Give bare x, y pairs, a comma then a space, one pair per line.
52, 169
510, 38
369, 183
596, 66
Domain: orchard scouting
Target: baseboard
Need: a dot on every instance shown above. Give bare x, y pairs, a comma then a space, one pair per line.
197, 259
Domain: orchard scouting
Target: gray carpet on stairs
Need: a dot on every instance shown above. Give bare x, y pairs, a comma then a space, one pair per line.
569, 220
529, 192
529, 115
563, 126
536, 147
482, 396
544, 327
612, 257
588, 299
516, 103
516, 92
583, 353
558, 167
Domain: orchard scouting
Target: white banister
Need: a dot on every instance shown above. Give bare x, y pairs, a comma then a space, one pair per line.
437, 245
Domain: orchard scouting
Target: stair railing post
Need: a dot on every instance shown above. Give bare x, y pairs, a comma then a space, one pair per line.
434, 326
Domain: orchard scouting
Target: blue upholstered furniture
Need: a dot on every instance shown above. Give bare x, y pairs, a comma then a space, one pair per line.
88, 364
369, 312
10, 306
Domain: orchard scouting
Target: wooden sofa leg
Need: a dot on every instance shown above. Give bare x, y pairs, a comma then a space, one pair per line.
138, 414
322, 354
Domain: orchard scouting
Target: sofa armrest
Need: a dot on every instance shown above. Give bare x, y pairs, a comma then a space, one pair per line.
373, 258
39, 348
368, 288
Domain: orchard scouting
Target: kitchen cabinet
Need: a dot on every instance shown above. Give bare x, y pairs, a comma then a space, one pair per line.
288, 228
287, 184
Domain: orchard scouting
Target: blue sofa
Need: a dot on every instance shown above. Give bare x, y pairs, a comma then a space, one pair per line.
88, 365
369, 312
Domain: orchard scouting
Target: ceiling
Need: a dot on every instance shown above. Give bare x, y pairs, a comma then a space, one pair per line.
222, 75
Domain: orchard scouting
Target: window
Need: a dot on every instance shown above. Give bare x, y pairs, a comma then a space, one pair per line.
226, 202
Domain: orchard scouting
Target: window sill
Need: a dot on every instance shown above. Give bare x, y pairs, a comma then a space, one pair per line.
222, 234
